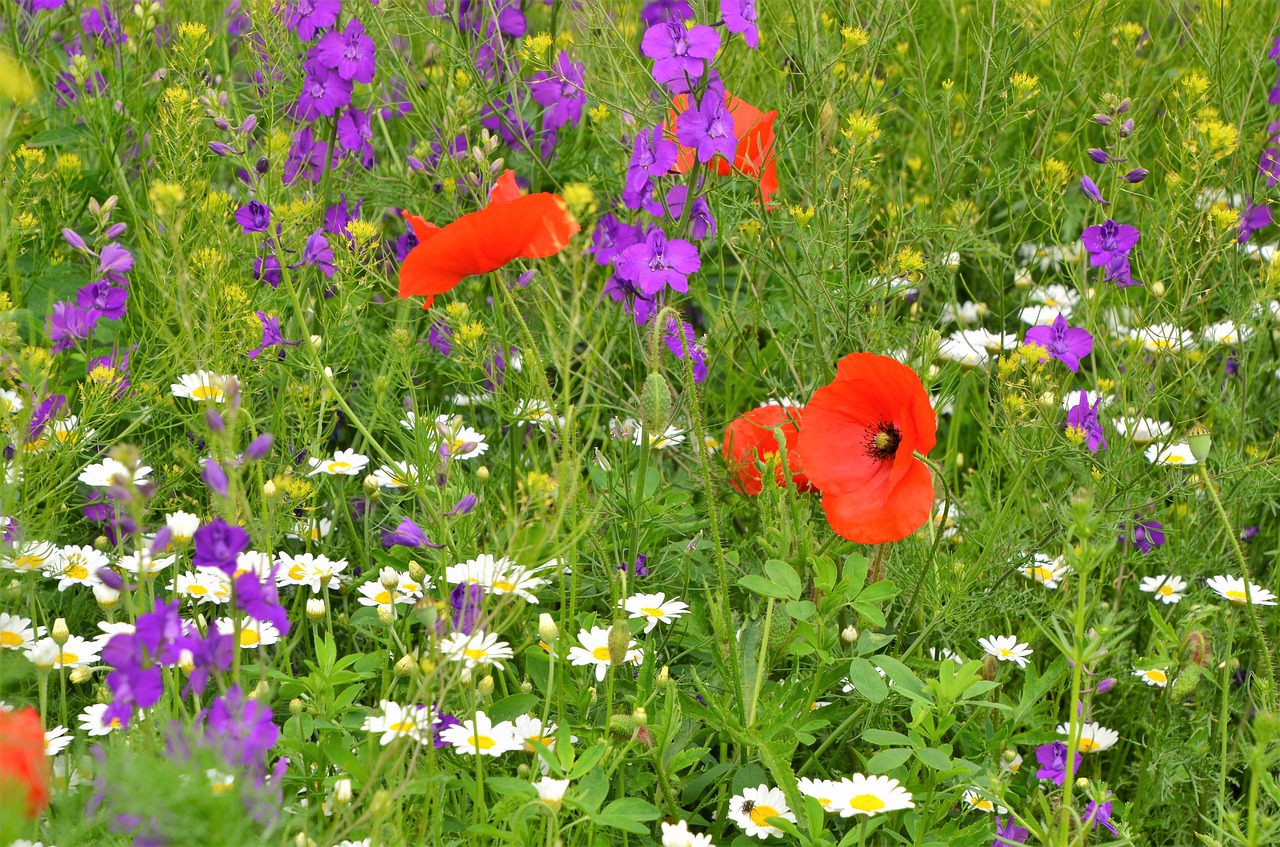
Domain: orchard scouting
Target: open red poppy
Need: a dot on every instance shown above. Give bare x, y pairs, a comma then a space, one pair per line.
858, 443
750, 439
512, 226
24, 771
754, 155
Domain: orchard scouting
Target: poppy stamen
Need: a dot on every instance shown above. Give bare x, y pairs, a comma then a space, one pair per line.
883, 440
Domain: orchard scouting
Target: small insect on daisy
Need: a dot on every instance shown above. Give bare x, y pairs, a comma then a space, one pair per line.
654, 609
1094, 737
752, 809
1233, 588
1167, 588
1155, 677
1006, 648
343, 463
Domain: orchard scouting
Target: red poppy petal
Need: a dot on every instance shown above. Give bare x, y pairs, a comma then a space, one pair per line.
865, 518
833, 441
750, 438
505, 189
422, 230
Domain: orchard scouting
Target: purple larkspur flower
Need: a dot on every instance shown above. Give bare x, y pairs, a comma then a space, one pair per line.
323, 93
1147, 535
480, 17
239, 729
134, 682
1248, 533
254, 217
739, 17
307, 17
215, 477
658, 262
611, 236
114, 262
408, 534
708, 129
318, 253
258, 448
661, 11
306, 157
117, 361
45, 411
1053, 762
701, 221
651, 156
1091, 190
622, 291
679, 54
678, 336
267, 269
68, 323
355, 135
257, 597
107, 299
466, 599
1066, 344
1108, 240
463, 506
1254, 217
1098, 155
214, 652
1008, 833
636, 569
440, 336
1136, 175
1269, 165
340, 215
1084, 417
351, 53
217, 544
272, 336
1099, 814
560, 91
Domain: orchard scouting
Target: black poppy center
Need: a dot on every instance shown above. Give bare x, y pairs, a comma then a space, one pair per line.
883, 440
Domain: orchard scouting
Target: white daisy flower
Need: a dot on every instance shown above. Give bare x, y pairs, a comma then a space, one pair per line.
141, 563
1006, 648
183, 526
967, 313
1143, 430
91, 720
551, 791
1225, 332
1042, 315
1163, 338
460, 442
530, 731
45, 654
1167, 588
478, 649
110, 629
974, 800
309, 569
1233, 588
398, 721
56, 740
1055, 296
480, 736
203, 587
672, 436
395, 475
654, 609
343, 463
678, 835
202, 385
1174, 455
497, 576
825, 791
254, 561
960, 348
1046, 570
752, 809
595, 651
10, 402
1011, 765
76, 566
940, 653
31, 556
15, 632
1155, 677
1094, 738
1072, 399
68, 431
538, 413
871, 795
253, 633
313, 529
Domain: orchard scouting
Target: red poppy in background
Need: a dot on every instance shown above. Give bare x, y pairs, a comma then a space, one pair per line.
24, 771
754, 156
858, 443
512, 226
750, 439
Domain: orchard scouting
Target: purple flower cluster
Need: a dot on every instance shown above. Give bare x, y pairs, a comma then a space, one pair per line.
1053, 762
1066, 344
73, 321
1084, 418
1109, 244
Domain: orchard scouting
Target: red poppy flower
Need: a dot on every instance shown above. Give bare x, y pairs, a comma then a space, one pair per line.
858, 444
754, 156
750, 439
24, 772
512, 226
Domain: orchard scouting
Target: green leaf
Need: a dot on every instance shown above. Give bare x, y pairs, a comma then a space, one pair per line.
886, 738
887, 760
512, 707
800, 609
686, 757
619, 822
633, 807
509, 785
855, 570
934, 758
759, 585
587, 761
784, 575
866, 681
592, 789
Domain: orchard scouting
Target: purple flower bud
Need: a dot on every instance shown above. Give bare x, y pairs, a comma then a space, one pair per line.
114, 231
221, 149
1136, 175
214, 477
248, 125
466, 504
1106, 685
110, 579
1091, 190
163, 538
1124, 106
258, 448
214, 420
263, 165
1126, 128
221, 123
74, 239
1102, 120
1099, 155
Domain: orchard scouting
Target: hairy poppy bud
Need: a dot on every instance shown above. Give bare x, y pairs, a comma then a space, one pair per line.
619, 641
656, 400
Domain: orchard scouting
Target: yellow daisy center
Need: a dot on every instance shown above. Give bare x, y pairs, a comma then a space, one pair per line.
1088, 745
652, 611
1157, 676
483, 742
866, 803
473, 653
339, 467
980, 803
402, 726
1175, 458
10, 639
222, 787
760, 815
1235, 595
1041, 574
249, 637
383, 598
503, 585
28, 562
76, 571
1005, 652
66, 658
1164, 590
296, 572
206, 392
197, 590
602, 653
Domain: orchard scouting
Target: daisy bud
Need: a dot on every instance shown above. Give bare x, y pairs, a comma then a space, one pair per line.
1022, 278
1082, 782
1157, 288
316, 341
315, 609
1199, 440
101, 543
526, 687
482, 473
551, 791
388, 578
370, 484
594, 695
381, 804
106, 596
81, 675
186, 661
260, 691
342, 792
664, 676
60, 634
303, 840
849, 634
465, 676
485, 686
416, 571
269, 489
547, 629
295, 706
619, 641
386, 614
406, 666
522, 770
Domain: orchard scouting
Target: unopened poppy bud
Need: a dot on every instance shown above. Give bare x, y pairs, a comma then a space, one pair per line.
622, 726
656, 401
388, 578
416, 571
485, 686
640, 716
849, 634
406, 666
526, 687
315, 609
386, 614
81, 675
342, 792
547, 629
482, 473
1199, 440
60, 634
619, 641
295, 706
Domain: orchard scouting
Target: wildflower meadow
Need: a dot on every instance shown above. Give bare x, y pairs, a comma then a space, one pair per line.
639, 422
